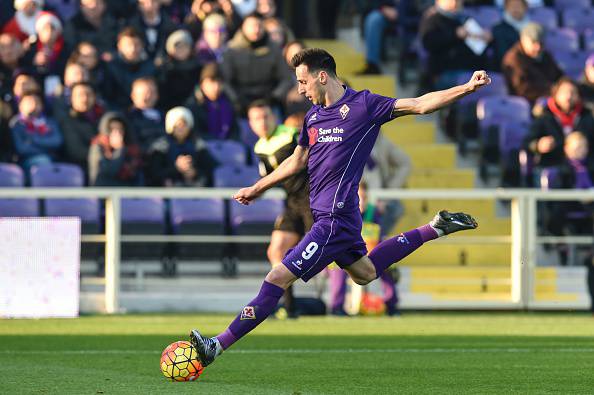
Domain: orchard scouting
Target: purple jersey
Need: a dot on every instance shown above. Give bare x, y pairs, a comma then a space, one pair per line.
340, 138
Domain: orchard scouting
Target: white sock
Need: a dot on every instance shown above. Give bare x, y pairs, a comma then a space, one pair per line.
438, 231
219, 347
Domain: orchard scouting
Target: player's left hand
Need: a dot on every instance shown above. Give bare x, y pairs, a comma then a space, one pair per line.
478, 80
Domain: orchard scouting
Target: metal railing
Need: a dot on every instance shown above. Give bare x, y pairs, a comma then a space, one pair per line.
523, 236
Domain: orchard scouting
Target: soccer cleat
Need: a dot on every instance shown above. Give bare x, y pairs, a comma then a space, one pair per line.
205, 346
452, 222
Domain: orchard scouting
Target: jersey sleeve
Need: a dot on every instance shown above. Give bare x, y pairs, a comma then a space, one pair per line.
379, 107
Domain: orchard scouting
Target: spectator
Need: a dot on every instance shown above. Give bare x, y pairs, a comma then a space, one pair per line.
266, 8
244, 7
203, 8
153, 25
529, 69
253, 67
23, 83
22, 25
587, 84
180, 158
146, 120
130, 63
36, 138
86, 55
179, 70
443, 36
278, 32
49, 50
176, 10
11, 59
576, 171
79, 124
114, 160
211, 108
375, 24
296, 102
92, 23
212, 43
59, 97
563, 114
507, 32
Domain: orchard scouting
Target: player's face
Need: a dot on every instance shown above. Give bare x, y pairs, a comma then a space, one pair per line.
309, 85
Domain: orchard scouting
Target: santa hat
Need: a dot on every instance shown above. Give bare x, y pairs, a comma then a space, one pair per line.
48, 17
18, 4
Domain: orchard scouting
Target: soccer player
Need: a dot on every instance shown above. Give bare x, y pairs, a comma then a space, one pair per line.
336, 139
275, 144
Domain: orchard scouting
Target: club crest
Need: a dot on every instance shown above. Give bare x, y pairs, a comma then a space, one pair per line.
313, 135
344, 110
248, 313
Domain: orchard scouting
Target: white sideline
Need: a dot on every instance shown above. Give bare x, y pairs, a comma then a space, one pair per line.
320, 351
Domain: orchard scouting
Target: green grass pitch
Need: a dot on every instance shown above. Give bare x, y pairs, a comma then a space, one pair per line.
474, 353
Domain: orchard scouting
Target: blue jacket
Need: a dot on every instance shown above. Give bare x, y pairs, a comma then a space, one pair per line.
40, 136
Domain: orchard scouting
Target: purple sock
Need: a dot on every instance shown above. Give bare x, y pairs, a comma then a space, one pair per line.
252, 314
337, 279
393, 250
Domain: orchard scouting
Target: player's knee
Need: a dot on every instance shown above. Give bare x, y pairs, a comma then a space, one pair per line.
364, 277
280, 276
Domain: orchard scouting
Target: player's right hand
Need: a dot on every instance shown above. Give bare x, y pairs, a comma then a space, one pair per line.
246, 195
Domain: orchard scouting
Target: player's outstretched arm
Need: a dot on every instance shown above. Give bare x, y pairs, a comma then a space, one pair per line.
290, 166
433, 101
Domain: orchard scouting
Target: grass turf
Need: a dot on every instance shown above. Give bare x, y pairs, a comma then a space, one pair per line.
460, 353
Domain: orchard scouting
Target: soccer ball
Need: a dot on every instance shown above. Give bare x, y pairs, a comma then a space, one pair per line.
179, 362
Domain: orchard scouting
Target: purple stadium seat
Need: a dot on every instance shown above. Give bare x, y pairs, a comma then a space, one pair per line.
67, 175
143, 210
486, 16
562, 39
256, 219
198, 217
588, 36
235, 176
495, 110
12, 176
511, 136
57, 175
578, 19
572, 63
545, 16
227, 152
143, 216
565, 4
247, 136
185, 211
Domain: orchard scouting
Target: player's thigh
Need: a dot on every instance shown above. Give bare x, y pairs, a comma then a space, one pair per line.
362, 271
280, 242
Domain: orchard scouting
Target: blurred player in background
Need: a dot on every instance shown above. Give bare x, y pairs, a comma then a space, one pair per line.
276, 143
334, 144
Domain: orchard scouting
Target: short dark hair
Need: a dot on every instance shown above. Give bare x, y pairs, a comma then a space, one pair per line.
563, 80
316, 59
83, 84
130, 31
259, 103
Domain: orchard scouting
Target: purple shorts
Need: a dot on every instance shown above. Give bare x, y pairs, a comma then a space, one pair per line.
332, 238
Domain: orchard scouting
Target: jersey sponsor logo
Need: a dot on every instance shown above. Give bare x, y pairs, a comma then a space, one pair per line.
313, 136
331, 135
248, 313
313, 117
344, 111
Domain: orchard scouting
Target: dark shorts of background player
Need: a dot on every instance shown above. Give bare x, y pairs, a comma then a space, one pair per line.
296, 218
332, 238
